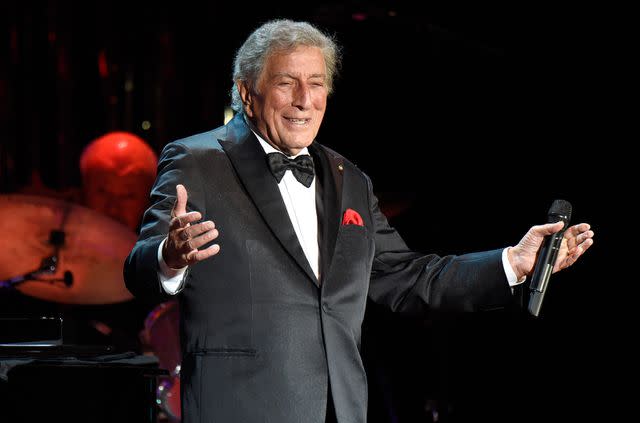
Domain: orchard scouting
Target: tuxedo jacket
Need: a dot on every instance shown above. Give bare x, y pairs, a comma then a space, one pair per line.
263, 340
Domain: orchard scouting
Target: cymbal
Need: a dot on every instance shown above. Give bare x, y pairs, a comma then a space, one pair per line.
92, 249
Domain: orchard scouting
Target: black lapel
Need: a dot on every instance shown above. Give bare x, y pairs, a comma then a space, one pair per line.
249, 161
329, 172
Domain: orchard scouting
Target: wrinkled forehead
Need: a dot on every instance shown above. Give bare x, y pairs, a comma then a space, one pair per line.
301, 61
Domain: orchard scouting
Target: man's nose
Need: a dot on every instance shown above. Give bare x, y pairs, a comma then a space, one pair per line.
302, 98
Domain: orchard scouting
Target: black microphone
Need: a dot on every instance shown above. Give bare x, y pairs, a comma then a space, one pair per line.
560, 210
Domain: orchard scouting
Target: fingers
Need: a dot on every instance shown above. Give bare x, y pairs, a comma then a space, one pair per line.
551, 228
195, 255
581, 246
578, 240
186, 236
196, 236
199, 255
579, 228
183, 244
180, 206
581, 238
184, 220
574, 254
548, 228
578, 234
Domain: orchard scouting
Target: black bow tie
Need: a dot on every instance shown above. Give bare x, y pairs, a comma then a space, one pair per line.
301, 167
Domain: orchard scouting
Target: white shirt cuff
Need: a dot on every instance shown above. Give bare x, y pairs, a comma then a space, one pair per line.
170, 279
508, 270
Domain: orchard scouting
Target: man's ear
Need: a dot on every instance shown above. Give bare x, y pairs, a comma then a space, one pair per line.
245, 95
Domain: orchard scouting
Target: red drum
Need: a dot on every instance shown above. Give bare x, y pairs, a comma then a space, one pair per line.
161, 334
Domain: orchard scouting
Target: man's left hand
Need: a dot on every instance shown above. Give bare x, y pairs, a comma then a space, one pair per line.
576, 240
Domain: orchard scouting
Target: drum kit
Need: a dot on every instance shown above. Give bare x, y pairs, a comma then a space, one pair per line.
61, 252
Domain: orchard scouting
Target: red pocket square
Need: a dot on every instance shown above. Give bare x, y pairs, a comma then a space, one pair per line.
352, 217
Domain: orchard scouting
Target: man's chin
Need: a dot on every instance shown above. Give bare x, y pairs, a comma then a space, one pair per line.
297, 145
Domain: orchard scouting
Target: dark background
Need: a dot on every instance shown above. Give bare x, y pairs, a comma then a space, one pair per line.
473, 116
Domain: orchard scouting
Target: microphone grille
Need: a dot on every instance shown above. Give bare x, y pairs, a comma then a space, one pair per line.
560, 208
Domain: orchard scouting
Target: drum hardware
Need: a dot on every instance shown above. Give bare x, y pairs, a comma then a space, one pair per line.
161, 334
83, 249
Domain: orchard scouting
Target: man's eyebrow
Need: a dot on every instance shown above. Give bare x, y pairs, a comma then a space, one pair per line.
283, 74
288, 75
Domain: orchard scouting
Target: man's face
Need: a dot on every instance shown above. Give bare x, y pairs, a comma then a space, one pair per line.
122, 197
290, 100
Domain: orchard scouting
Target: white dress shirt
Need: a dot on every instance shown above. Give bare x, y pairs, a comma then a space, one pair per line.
301, 207
300, 202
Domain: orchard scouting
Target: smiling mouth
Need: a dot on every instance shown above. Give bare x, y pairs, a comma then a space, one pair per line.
299, 121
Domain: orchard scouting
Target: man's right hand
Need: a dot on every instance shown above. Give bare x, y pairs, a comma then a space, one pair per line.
184, 239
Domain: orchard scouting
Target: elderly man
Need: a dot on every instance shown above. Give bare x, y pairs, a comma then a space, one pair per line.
272, 311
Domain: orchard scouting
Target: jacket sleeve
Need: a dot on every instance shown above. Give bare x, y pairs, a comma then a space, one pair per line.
176, 166
409, 281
